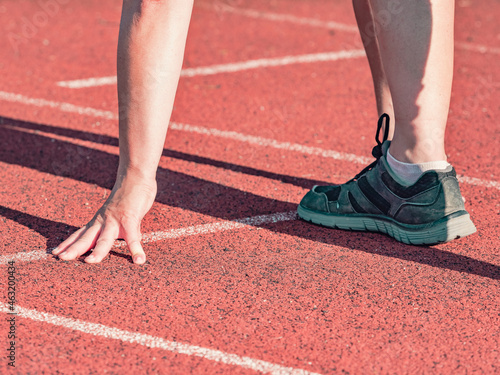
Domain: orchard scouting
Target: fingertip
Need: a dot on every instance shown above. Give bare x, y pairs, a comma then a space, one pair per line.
92, 260
67, 246
139, 259
138, 255
64, 256
61, 248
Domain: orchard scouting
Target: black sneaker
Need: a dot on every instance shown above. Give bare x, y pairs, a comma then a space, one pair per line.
428, 212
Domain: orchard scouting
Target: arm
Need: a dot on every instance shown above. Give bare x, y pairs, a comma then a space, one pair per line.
150, 53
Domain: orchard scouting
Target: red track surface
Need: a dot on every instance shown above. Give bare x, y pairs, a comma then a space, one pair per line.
287, 293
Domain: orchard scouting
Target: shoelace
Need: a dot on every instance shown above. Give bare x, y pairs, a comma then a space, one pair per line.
377, 150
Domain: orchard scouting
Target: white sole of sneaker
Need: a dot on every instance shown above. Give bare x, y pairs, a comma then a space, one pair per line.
447, 229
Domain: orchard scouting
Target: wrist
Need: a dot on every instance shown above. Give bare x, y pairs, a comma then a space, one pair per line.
136, 173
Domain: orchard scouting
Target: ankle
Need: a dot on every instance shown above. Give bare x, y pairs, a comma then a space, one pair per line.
411, 172
421, 151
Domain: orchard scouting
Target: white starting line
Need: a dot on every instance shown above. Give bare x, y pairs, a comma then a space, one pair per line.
279, 17
149, 341
60, 106
158, 342
250, 139
201, 229
273, 62
24, 256
231, 67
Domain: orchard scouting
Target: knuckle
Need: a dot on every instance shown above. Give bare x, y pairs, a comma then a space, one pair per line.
134, 242
135, 245
104, 242
130, 221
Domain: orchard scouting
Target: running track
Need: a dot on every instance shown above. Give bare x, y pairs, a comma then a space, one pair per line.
275, 97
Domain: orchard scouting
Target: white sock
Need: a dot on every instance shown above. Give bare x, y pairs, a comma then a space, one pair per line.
410, 172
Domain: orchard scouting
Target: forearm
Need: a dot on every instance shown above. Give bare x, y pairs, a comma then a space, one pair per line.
150, 54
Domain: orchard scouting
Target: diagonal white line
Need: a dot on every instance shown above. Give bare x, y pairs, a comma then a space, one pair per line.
272, 62
477, 48
155, 342
61, 106
478, 182
201, 229
24, 257
280, 17
265, 142
88, 82
219, 226
262, 63
231, 67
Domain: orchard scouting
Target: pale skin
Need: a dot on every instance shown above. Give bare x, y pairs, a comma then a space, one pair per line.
411, 64
366, 24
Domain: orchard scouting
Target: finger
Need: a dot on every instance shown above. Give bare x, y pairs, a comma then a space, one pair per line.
68, 241
104, 243
84, 243
132, 235
138, 254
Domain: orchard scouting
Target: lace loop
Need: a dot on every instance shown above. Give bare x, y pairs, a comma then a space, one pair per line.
377, 150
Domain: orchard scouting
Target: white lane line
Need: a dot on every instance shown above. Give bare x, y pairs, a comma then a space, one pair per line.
259, 63
24, 257
61, 106
272, 62
267, 142
201, 229
218, 227
260, 141
478, 182
280, 17
477, 48
149, 341
88, 82
231, 67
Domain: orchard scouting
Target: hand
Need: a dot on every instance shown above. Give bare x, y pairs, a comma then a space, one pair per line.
119, 217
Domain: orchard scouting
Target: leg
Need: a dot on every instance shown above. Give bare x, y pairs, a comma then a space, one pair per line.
366, 25
418, 202
416, 46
